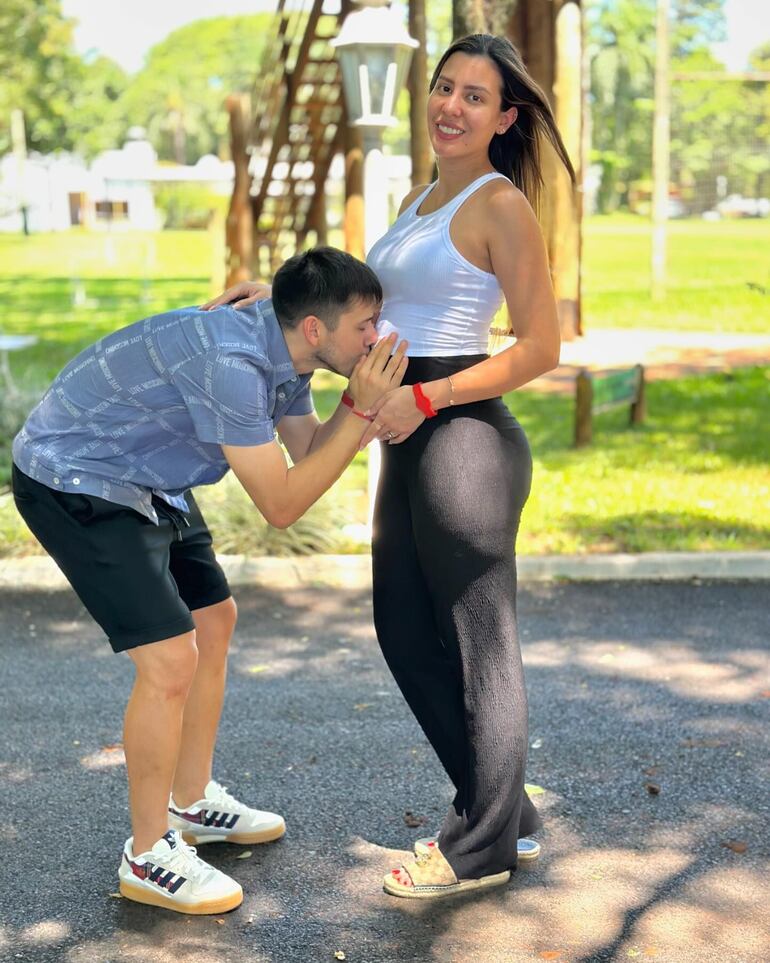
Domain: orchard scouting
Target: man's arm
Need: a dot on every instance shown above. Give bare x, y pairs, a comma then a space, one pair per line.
304, 434
284, 494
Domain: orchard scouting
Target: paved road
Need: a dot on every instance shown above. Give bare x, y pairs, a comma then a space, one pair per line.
630, 683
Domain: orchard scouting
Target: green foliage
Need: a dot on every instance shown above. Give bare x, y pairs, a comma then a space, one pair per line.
88, 105
39, 70
186, 206
710, 122
694, 476
179, 94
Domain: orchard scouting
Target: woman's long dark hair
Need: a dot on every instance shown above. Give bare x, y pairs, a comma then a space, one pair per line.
516, 153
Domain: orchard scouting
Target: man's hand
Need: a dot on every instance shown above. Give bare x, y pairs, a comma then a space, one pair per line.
396, 416
240, 295
378, 372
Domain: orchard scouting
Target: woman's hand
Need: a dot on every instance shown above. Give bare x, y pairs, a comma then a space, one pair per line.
240, 295
396, 416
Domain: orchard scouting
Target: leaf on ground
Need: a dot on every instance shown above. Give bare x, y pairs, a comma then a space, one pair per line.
339, 955
736, 845
220, 922
413, 821
536, 744
254, 669
360, 706
650, 951
652, 788
116, 895
633, 952
703, 743
244, 855
549, 954
533, 790
116, 747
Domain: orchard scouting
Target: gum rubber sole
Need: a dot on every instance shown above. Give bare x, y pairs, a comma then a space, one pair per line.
438, 892
141, 895
244, 839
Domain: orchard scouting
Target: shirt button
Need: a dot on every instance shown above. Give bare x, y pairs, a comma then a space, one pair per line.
75, 481
56, 480
281, 395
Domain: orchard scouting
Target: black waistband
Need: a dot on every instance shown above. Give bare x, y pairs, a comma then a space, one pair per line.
431, 369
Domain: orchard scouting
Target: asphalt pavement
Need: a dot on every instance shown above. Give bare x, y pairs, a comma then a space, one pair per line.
648, 737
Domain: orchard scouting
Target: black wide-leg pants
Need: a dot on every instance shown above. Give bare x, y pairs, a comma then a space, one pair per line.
446, 518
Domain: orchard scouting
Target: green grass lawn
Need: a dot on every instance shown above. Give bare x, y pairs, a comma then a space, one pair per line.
718, 275
695, 476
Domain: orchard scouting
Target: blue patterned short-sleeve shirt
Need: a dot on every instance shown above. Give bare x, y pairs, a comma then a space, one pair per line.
147, 408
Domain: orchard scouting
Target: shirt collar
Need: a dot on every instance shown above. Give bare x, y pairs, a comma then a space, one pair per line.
282, 367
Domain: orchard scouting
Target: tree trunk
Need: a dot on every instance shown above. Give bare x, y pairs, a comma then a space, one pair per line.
238, 228
481, 16
422, 155
548, 34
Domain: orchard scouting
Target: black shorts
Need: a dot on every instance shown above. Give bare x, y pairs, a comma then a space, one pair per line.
139, 581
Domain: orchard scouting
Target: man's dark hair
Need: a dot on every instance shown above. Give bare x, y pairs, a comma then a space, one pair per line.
322, 281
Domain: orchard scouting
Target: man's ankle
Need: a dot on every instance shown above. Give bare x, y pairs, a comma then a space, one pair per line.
187, 795
144, 840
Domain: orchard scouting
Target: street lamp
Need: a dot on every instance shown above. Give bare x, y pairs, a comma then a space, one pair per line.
374, 50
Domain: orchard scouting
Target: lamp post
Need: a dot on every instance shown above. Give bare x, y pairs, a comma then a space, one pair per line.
374, 50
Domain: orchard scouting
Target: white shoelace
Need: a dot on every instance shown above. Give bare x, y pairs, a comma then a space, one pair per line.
223, 798
185, 861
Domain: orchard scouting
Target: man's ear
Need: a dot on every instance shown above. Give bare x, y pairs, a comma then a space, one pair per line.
311, 327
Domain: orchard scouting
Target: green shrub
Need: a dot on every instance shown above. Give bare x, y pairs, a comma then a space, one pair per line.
187, 206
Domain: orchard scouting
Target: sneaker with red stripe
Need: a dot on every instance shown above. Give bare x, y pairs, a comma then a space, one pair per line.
221, 818
173, 876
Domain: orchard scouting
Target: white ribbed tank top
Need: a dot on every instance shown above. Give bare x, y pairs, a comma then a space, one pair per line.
433, 296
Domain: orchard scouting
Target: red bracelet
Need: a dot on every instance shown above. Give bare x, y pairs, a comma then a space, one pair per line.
349, 403
422, 401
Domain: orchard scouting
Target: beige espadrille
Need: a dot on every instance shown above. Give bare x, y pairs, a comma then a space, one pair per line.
430, 877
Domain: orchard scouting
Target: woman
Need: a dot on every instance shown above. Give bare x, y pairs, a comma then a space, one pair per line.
456, 465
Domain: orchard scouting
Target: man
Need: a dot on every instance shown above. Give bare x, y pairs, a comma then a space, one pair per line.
102, 472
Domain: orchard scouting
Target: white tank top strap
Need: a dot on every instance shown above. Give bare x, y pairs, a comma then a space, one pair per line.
412, 209
451, 207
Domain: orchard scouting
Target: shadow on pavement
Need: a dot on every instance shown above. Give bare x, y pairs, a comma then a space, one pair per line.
631, 685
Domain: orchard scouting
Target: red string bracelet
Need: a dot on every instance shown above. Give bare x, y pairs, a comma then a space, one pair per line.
349, 403
422, 401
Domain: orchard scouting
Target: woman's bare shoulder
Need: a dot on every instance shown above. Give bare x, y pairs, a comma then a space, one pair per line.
502, 196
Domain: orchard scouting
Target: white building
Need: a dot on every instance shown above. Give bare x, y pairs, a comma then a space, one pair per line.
61, 191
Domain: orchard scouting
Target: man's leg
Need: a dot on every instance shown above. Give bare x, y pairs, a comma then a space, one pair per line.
214, 626
153, 731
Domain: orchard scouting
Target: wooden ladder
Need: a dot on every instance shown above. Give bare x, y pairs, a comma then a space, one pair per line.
298, 120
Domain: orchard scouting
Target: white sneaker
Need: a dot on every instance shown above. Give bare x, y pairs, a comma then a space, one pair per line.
220, 818
173, 876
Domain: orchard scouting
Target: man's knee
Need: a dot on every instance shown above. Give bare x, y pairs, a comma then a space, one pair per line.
214, 627
167, 666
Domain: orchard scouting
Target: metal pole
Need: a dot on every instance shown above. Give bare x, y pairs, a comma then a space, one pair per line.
375, 225
660, 151
19, 144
